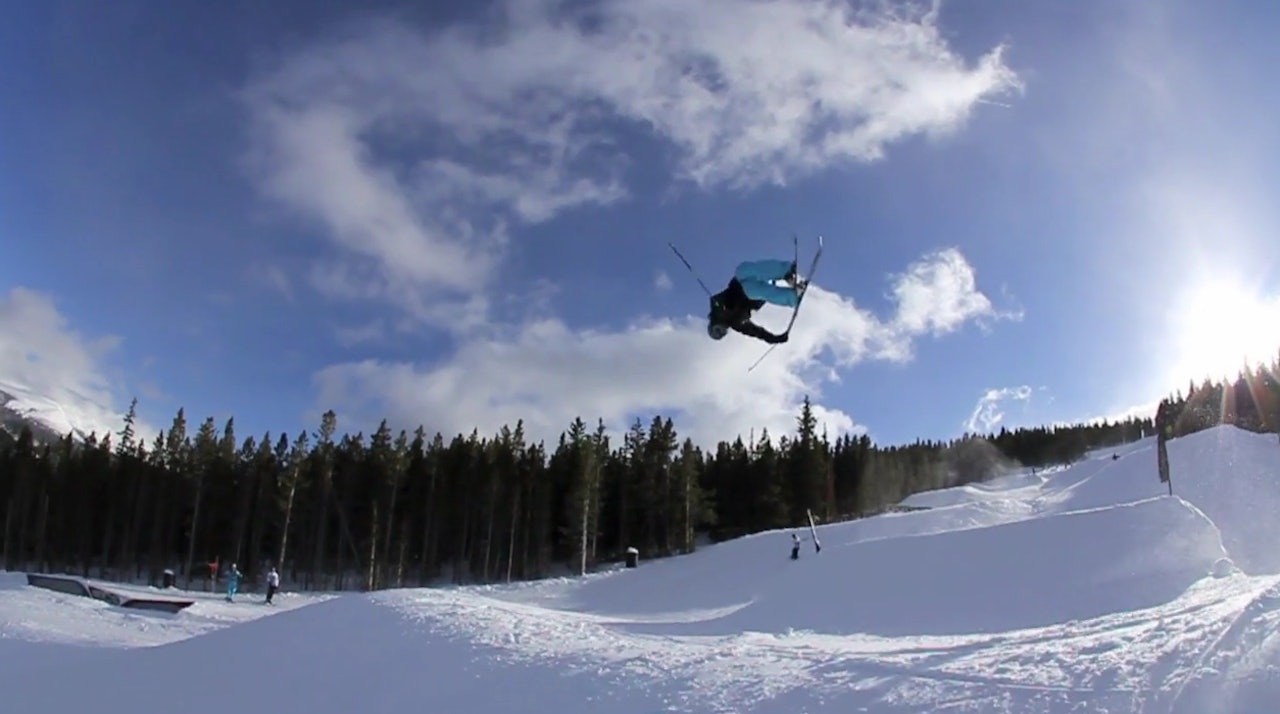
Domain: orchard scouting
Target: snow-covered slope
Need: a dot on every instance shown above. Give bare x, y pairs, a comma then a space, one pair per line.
1083, 589
37, 615
53, 418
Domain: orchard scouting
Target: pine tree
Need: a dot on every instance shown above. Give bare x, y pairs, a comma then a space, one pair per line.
21, 469
291, 472
692, 508
807, 464
385, 475
265, 470
323, 458
578, 464
510, 465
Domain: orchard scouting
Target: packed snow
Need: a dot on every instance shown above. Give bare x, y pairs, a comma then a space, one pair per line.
1083, 588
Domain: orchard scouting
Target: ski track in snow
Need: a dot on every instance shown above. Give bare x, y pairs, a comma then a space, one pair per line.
1122, 662
1074, 589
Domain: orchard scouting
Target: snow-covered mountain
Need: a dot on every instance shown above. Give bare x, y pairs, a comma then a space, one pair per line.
52, 418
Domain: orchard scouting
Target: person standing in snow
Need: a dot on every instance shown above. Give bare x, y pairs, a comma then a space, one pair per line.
273, 583
795, 547
233, 582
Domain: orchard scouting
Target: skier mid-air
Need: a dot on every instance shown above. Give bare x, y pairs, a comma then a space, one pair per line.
753, 284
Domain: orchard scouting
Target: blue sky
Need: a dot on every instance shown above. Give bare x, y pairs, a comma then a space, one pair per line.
458, 216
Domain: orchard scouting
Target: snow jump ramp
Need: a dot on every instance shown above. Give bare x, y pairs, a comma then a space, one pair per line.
78, 586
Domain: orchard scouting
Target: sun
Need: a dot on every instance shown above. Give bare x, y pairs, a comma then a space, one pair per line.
1221, 326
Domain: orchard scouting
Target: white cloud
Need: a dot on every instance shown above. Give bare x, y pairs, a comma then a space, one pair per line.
546, 373
54, 373
415, 152
662, 281
939, 294
418, 154
988, 413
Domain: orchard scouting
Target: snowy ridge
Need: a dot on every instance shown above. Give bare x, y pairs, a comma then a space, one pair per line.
1086, 588
71, 414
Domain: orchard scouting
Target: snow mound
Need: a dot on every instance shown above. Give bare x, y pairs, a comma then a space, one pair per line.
349, 654
1023, 574
724, 577
1231, 475
1009, 487
1234, 477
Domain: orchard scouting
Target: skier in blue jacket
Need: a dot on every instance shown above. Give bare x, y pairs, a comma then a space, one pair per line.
233, 582
753, 284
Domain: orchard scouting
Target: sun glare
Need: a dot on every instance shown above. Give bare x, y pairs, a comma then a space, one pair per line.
1222, 326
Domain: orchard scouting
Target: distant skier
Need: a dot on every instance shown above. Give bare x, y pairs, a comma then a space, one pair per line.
233, 582
273, 584
753, 284
795, 547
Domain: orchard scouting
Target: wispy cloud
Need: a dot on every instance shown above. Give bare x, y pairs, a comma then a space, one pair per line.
662, 281
417, 152
352, 335
989, 412
55, 373
547, 373
312, 159
271, 277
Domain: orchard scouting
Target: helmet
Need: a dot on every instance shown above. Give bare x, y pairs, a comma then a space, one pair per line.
716, 330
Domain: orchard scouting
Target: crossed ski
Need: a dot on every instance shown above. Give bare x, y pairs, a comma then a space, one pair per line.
808, 277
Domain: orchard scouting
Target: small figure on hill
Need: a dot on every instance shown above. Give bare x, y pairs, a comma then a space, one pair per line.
795, 547
273, 583
233, 582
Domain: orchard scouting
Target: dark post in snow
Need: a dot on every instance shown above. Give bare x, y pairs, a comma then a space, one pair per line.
1163, 430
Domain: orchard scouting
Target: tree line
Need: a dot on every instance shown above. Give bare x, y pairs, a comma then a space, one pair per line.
1250, 400
399, 508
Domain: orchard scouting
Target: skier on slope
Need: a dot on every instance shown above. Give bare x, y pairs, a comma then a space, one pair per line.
233, 582
753, 284
273, 583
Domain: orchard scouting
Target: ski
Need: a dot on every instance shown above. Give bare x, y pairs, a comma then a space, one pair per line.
808, 277
795, 311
